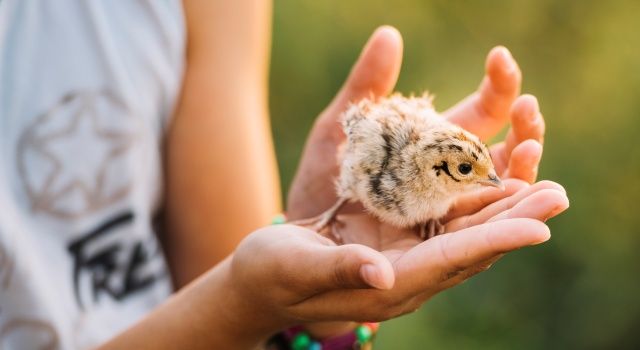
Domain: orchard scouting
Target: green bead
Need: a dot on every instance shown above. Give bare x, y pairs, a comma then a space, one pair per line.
301, 341
363, 333
278, 220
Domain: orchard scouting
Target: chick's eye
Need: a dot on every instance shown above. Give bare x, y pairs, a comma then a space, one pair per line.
464, 168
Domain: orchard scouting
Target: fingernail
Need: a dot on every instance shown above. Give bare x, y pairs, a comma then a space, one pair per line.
557, 210
532, 116
509, 63
391, 30
533, 113
546, 237
538, 149
542, 240
527, 107
370, 274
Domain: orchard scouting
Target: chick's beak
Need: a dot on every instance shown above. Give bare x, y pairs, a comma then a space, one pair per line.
493, 180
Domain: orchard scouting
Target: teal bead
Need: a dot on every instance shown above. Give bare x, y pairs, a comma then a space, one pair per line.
363, 333
278, 220
315, 346
301, 341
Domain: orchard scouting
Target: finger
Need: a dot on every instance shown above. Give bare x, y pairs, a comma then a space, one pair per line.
499, 157
469, 203
374, 74
302, 259
485, 112
526, 122
336, 267
524, 161
424, 270
458, 277
443, 257
500, 206
542, 205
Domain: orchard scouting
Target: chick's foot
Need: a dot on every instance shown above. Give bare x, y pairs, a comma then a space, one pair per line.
324, 223
431, 229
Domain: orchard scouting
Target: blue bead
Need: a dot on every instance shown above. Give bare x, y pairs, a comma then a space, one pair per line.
315, 346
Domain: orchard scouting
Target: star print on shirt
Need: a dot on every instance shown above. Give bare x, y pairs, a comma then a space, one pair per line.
72, 159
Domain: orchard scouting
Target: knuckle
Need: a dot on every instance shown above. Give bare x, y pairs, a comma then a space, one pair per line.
375, 316
475, 270
383, 300
341, 276
407, 307
387, 307
389, 313
398, 308
442, 248
488, 231
463, 276
412, 305
280, 264
451, 268
450, 274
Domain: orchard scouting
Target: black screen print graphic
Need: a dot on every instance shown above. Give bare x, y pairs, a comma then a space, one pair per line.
117, 268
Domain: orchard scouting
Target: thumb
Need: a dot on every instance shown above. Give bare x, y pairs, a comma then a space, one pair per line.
346, 266
376, 71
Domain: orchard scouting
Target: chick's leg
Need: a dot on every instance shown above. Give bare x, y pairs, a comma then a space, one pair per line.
322, 221
431, 229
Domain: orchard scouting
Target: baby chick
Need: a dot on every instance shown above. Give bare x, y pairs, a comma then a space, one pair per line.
406, 164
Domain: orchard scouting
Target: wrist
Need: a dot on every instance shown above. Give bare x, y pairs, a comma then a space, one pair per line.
207, 313
225, 315
245, 319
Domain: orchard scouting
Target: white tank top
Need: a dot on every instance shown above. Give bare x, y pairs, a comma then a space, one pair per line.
86, 90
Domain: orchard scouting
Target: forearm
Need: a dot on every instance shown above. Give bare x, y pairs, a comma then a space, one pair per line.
221, 177
218, 195
206, 314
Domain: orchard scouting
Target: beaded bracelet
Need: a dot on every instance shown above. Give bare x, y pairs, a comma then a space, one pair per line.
279, 219
298, 339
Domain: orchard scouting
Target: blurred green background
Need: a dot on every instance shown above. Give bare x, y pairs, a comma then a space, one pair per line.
581, 290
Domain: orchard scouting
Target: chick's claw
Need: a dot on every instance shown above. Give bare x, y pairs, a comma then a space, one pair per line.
431, 229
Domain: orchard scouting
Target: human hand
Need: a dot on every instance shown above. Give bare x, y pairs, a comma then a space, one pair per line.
287, 275
484, 112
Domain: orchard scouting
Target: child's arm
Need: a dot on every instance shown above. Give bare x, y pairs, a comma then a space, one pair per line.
221, 177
